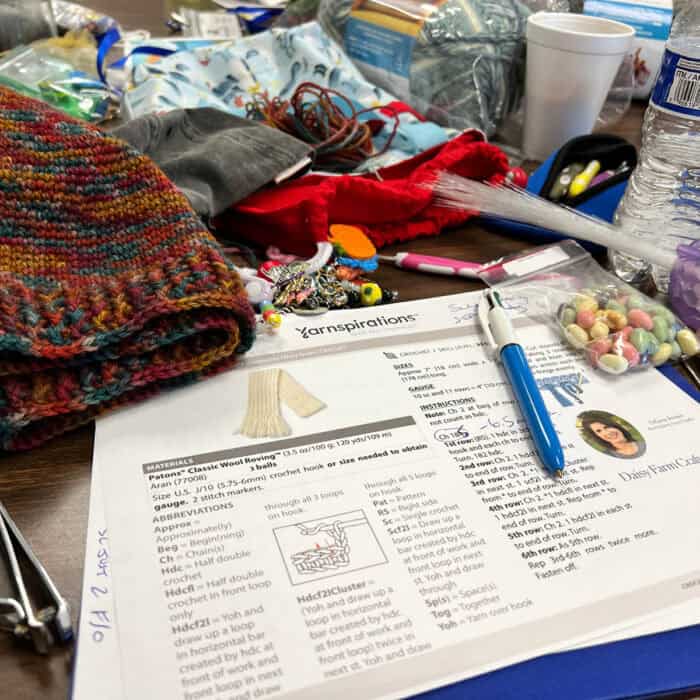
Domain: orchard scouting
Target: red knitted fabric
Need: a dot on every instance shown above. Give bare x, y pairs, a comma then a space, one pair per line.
390, 206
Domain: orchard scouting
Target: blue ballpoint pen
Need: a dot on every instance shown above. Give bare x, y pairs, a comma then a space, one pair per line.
501, 335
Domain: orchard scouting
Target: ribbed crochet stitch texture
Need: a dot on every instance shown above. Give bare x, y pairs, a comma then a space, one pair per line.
110, 287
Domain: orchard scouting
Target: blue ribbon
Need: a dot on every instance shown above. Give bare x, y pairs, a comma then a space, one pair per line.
107, 41
104, 46
260, 20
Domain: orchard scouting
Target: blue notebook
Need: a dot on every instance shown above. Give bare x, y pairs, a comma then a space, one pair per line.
651, 665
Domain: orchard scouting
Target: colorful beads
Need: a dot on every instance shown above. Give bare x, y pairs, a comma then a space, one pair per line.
270, 315
620, 331
370, 293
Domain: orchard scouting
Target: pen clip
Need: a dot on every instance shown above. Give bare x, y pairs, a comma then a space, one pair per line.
483, 313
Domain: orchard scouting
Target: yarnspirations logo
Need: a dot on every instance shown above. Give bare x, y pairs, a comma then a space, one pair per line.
356, 325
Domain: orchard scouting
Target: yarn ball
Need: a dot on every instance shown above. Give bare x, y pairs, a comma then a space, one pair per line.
467, 64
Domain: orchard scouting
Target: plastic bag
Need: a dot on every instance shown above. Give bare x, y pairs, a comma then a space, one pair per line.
547, 5
44, 77
615, 326
619, 99
78, 48
460, 62
71, 16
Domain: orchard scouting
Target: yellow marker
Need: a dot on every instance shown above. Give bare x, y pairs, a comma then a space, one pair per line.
582, 181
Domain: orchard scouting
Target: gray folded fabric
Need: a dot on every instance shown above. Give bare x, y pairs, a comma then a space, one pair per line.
22, 23
216, 159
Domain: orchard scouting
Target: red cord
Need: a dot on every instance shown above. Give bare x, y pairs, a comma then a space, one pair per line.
340, 142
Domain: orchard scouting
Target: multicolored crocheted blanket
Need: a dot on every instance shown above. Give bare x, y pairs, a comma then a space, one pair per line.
110, 287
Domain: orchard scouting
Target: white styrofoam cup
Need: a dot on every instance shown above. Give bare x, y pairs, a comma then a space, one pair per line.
572, 61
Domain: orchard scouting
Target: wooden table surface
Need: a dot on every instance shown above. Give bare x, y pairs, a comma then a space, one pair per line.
47, 489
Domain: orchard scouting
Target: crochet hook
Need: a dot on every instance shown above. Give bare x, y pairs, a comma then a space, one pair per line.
430, 263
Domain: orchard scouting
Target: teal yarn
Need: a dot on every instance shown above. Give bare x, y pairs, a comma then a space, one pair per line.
467, 65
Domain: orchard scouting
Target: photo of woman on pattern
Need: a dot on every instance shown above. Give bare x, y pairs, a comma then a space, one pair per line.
610, 434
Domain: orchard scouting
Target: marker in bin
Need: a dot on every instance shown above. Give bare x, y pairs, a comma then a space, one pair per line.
437, 266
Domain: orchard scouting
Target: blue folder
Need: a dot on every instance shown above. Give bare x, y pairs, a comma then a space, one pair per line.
641, 667
645, 666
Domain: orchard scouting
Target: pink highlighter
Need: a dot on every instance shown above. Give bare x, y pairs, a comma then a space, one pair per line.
437, 266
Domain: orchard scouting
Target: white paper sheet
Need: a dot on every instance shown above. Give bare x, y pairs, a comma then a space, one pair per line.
97, 671
458, 546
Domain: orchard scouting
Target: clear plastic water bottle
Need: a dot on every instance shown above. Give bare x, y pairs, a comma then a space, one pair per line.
662, 200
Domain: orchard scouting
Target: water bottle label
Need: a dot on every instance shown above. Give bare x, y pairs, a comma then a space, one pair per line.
678, 86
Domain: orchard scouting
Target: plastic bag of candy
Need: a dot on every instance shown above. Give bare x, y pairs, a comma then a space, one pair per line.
615, 326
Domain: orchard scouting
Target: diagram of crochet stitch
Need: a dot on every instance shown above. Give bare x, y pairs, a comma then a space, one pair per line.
328, 546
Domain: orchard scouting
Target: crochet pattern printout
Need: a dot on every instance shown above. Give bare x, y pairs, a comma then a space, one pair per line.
401, 538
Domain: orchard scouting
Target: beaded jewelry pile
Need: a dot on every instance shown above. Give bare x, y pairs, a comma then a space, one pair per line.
110, 287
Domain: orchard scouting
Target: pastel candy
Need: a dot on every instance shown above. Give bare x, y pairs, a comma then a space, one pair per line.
662, 354
629, 352
659, 310
654, 344
613, 364
585, 318
599, 330
640, 319
567, 316
576, 335
597, 348
688, 342
601, 346
660, 328
615, 320
620, 331
638, 338
636, 302
585, 303
614, 305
